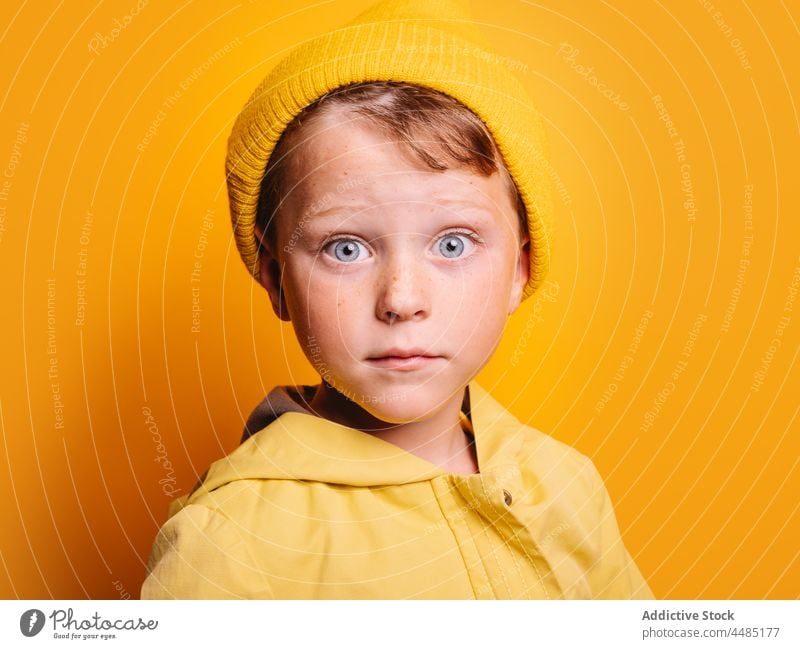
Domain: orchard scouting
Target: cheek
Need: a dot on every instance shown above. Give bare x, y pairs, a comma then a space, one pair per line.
323, 308
306, 288
484, 285
471, 313
482, 301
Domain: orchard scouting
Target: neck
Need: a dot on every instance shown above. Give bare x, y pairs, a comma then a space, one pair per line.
439, 439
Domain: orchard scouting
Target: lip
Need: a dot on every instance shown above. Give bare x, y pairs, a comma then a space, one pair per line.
402, 352
403, 359
404, 363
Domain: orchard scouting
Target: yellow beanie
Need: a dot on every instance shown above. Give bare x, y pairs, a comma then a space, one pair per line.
431, 43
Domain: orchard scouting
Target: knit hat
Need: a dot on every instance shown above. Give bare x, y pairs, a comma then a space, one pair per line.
431, 43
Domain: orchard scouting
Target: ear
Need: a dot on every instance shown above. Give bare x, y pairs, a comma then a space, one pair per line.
521, 274
270, 278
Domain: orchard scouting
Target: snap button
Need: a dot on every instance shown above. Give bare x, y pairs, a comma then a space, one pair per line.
506, 497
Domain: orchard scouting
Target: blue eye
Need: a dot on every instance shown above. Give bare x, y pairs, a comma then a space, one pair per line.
345, 249
451, 245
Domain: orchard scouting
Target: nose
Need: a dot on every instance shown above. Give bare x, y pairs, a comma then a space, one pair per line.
403, 290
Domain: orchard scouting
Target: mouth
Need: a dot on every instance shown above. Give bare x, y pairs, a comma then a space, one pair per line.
404, 360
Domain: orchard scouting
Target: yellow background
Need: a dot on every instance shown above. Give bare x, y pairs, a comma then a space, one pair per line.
704, 478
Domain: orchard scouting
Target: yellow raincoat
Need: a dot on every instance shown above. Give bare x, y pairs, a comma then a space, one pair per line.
306, 508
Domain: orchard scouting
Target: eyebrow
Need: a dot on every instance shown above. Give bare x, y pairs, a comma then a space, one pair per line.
349, 209
333, 211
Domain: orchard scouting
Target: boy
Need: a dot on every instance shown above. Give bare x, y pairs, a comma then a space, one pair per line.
390, 196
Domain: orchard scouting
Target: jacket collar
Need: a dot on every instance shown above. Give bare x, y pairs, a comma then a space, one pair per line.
298, 445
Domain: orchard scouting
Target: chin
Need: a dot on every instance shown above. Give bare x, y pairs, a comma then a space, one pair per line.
400, 405
396, 413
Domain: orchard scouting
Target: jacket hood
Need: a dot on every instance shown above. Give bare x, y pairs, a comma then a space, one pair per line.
280, 400
283, 440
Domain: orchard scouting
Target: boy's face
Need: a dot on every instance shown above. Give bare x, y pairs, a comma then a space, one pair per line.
376, 251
